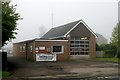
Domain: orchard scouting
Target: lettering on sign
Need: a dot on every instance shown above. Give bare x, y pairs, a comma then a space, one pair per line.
45, 57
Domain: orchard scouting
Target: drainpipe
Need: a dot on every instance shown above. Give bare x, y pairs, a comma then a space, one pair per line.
26, 49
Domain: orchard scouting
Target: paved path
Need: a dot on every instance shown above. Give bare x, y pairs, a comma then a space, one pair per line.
28, 70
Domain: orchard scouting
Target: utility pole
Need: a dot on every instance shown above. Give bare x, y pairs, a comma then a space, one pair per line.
118, 47
52, 17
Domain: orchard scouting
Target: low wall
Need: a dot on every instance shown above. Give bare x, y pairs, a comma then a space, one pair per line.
100, 54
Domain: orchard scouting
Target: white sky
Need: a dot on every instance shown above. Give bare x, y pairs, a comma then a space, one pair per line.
100, 15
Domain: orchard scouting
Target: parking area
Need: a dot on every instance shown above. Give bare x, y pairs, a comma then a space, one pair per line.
28, 70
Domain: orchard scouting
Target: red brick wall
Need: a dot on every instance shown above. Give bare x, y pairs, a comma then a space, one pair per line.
26, 54
65, 55
92, 47
48, 44
30, 54
17, 52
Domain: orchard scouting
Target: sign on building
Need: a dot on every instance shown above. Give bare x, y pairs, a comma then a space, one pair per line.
45, 57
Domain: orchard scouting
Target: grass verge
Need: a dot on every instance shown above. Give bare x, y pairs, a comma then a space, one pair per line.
108, 59
4, 74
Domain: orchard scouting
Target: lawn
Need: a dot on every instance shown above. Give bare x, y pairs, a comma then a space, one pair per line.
108, 59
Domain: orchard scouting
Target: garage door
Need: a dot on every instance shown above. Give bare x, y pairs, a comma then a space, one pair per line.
79, 46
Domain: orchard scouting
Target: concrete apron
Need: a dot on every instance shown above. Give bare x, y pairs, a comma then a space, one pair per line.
77, 57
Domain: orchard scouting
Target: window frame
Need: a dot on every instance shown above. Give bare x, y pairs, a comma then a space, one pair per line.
62, 49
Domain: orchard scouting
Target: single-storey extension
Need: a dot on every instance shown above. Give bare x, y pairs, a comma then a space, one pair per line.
65, 42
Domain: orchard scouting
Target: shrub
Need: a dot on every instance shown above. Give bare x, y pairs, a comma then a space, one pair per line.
109, 53
109, 49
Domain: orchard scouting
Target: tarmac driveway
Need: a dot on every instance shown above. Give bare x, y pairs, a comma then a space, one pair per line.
28, 70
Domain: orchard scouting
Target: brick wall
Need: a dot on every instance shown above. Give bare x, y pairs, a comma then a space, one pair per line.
48, 44
92, 47
30, 55
17, 52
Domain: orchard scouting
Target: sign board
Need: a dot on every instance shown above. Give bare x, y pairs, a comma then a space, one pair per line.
41, 48
45, 57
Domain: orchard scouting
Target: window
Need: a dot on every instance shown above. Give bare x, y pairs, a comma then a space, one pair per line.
48, 49
36, 50
23, 48
57, 49
30, 48
20, 48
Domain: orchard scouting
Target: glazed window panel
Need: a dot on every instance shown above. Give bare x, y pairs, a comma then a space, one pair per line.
71, 45
72, 41
57, 49
23, 48
20, 48
31, 48
79, 46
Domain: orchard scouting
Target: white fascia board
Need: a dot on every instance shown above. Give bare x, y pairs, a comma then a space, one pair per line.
53, 40
81, 21
72, 28
89, 28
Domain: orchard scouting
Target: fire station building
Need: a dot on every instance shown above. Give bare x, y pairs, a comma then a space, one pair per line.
73, 40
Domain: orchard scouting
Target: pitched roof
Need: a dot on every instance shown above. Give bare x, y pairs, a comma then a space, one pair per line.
63, 30
101, 39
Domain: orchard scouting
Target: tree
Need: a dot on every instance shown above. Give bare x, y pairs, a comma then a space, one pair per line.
109, 49
115, 40
98, 48
9, 22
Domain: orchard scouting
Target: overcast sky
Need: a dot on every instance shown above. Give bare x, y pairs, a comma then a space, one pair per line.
100, 15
